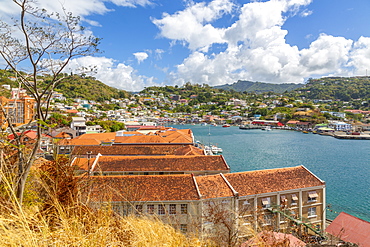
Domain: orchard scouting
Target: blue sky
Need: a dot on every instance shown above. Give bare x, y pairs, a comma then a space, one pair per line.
171, 42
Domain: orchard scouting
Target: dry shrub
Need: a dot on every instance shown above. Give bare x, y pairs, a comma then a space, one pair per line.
59, 219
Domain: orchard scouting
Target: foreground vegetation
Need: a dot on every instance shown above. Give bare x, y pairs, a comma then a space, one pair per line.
53, 215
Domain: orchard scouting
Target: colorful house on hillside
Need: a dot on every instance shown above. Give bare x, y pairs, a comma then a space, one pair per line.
20, 111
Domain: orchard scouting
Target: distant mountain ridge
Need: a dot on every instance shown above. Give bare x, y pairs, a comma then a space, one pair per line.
259, 87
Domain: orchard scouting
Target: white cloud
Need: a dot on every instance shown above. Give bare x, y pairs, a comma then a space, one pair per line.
109, 72
326, 54
131, 3
306, 13
140, 56
360, 56
81, 8
192, 25
257, 50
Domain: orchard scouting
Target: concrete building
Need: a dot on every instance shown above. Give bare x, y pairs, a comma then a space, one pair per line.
20, 111
273, 199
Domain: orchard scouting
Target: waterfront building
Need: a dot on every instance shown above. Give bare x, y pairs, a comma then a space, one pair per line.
230, 204
340, 126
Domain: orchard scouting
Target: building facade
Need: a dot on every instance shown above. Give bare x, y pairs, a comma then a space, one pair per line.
20, 111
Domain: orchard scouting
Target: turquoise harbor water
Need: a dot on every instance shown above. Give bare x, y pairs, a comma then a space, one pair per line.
343, 164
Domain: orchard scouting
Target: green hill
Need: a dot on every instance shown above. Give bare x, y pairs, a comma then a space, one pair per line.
73, 86
259, 87
88, 88
333, 88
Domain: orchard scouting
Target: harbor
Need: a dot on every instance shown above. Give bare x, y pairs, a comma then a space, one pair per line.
342, 164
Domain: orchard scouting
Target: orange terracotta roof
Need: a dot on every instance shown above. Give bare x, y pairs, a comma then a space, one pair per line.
168, 163
139, 149
213, 186
142, 188
272, 180
140, 139
78, 142
62, 135
178, 139
132, 133
83, 163
98, 136
71, 111
188, 150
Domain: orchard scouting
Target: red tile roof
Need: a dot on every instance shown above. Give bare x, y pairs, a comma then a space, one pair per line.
98, 136
213, 186
139, 149
168, 163
272, 180
140, 139
350, 229
142, 188
78, 142
188, 150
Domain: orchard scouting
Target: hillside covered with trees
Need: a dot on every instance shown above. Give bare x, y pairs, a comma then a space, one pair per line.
259, 87
72, 86
336, 88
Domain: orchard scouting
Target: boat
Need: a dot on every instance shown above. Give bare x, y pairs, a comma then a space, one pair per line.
203, 124
213, 124
267, 128
226, 125
305, 132
215, 149
207, 150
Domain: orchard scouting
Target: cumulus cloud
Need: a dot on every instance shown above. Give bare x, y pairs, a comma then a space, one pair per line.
140, 56
257, 50
360, 56
192, 25
81, 8
110, 72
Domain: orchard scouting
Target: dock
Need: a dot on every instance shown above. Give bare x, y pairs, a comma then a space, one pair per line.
352, 137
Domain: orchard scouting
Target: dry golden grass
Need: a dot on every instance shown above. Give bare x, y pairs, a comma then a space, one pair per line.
58, 219
26, 227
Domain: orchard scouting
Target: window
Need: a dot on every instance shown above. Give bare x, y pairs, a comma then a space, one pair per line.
283, 201
161, 209
183, 228
267, 218
172, 209
139, 209
184, 208
150, 209
312, 212
312, 196
266, 202
294, 199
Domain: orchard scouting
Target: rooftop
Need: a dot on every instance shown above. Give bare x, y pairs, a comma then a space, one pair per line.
350, 229
143, 188
272, 180
168, 163
139, 149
